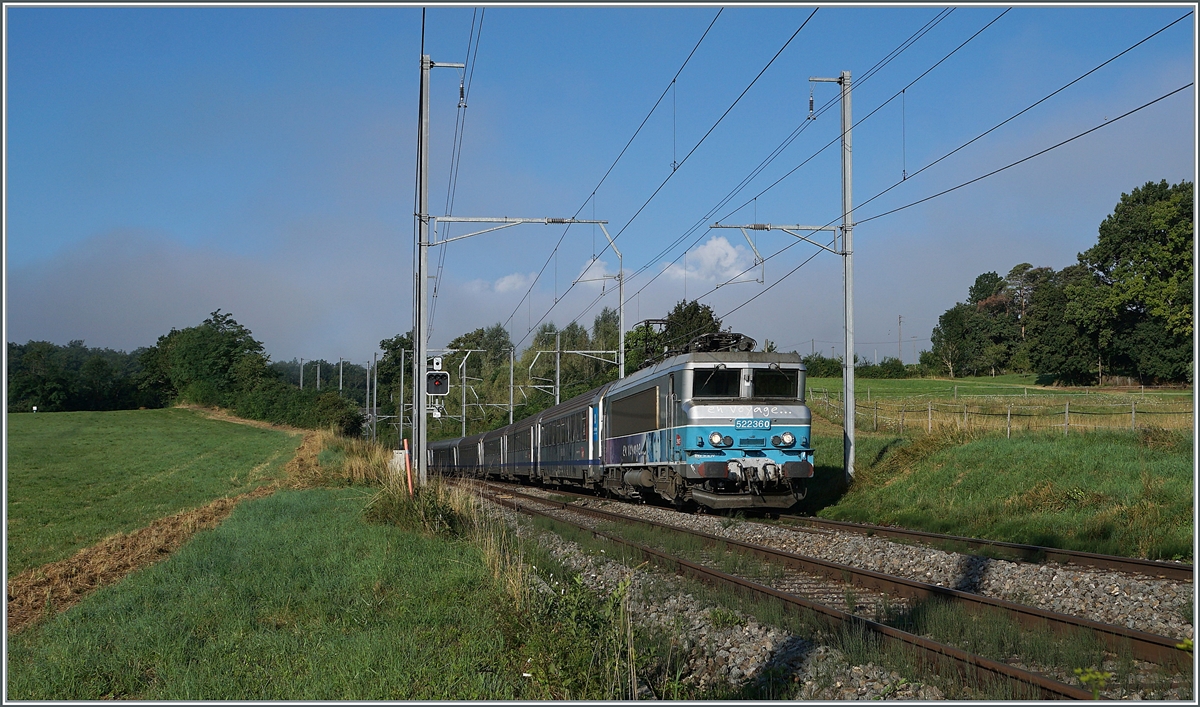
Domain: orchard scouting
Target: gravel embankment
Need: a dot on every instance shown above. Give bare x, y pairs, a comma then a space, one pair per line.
1158, 606
739, 653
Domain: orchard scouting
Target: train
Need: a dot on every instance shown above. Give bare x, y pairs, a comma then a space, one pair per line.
724, 429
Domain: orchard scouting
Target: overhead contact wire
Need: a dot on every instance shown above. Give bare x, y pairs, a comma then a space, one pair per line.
869, 73
960, 186
460, 125
685, 158
609, 171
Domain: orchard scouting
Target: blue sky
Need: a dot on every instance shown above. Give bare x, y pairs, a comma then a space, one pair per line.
165, 162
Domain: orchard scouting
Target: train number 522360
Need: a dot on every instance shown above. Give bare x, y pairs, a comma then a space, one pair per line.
756, 423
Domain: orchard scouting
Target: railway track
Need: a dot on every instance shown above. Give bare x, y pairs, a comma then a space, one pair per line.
928, 652
1144, 646
874, 588
1005, 550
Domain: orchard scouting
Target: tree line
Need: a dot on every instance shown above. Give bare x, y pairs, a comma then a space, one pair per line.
216, 363
1122, 314
74, 377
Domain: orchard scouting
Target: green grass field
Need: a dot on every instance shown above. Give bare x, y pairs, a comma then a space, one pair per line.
303, 596
293, 597
1012, 384
1109, 492
76, 477
300, 596
1112, 491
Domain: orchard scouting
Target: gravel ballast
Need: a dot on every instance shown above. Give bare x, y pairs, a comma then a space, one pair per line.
1158, 606
740, 653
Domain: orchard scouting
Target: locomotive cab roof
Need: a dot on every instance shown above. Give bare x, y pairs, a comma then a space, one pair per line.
699, 359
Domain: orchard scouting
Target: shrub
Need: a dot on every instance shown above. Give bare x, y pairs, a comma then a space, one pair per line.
821, 367
888, 368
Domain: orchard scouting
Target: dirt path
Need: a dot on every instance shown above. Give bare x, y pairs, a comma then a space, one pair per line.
43, 591
224, 416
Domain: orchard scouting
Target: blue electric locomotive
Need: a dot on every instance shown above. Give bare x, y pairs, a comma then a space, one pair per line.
723, 429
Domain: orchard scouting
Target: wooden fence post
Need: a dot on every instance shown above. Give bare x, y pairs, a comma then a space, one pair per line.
901, 418
1133, 416
930, 416
964, 416
1008, 422
876, 414
1066, 417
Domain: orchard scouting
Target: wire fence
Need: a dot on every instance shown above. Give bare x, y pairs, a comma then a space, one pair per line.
1031, 414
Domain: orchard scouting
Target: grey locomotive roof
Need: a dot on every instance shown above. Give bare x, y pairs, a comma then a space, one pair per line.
709, 357
741, 357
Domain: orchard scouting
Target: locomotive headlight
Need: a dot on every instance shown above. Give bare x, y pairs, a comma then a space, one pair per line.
715, 439
788, 438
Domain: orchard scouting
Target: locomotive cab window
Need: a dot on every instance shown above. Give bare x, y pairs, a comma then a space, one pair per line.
716, 382
775, 383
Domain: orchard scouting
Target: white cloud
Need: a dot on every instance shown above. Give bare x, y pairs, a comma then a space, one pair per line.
593, 273
514, 282
717, 259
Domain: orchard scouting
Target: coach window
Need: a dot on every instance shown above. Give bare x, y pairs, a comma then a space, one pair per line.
775, 383
717, 382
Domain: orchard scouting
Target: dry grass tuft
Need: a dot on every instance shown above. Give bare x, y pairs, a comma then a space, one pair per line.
1049, 497
900, 462
304, 471
366, 462
1160, 439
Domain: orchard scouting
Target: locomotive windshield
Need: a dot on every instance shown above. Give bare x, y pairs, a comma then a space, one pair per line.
716, 382
775, 383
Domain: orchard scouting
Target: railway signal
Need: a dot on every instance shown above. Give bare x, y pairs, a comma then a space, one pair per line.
437, 382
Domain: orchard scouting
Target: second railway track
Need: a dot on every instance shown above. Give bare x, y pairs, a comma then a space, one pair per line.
1134, 600
873, 588
1005, 550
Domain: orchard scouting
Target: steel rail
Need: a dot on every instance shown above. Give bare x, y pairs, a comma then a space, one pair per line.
928, 652
1032, 553
1144, 646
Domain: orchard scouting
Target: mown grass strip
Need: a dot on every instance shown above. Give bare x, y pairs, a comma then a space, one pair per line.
40, 592
75, 478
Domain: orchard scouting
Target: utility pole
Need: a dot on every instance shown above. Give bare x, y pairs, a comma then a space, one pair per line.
400, 439
318, 362
847, 272
375, 402
557, 363
301, 374
420, 323
462, 383
620, 276
339, 375
899, 337
512, 361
